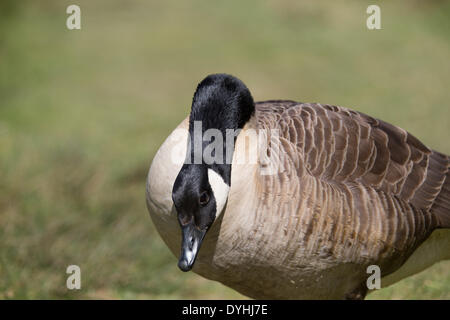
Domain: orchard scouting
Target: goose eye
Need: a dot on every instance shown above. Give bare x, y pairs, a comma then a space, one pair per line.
204, 199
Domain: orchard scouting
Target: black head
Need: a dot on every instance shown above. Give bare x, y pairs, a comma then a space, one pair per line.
201, 188
221, 101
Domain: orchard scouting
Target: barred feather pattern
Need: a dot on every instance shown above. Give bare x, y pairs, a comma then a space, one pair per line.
368, 192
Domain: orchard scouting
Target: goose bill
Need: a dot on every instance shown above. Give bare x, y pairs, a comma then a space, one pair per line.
192, 238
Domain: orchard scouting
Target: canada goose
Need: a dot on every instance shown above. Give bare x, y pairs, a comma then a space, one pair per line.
349, 191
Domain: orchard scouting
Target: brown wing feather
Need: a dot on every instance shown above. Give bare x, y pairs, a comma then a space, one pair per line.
398, 188
342, 145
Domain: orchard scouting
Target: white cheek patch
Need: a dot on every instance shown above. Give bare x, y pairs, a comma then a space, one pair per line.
220, 190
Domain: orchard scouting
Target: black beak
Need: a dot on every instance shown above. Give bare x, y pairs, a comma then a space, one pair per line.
192, 238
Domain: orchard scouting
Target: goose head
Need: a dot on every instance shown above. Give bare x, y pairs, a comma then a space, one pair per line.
221, 106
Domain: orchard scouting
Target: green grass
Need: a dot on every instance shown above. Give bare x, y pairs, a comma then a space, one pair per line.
83, 112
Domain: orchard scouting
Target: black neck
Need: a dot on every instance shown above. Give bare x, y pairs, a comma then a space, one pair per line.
220, 102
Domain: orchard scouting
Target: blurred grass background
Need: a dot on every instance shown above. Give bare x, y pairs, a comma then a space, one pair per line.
83, 112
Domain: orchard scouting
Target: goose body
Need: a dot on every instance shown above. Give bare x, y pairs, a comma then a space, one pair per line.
348, 191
